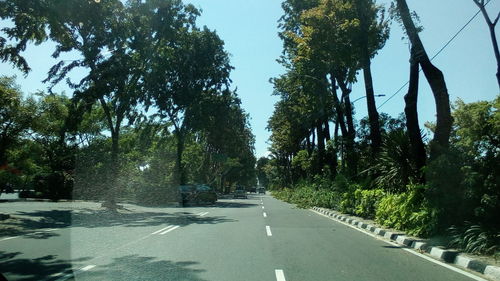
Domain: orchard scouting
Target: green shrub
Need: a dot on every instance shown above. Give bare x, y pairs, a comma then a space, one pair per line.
475, 239
367, 202
348, 202
407, 211
360, 202
307, 197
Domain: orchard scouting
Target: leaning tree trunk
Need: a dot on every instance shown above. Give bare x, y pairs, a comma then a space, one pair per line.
417, 145
436, 81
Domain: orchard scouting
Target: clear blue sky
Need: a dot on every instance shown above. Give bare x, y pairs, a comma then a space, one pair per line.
249, 29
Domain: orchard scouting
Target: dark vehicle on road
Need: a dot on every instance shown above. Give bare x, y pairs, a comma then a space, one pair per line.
261, 190
240, 193
197, 193
252, 189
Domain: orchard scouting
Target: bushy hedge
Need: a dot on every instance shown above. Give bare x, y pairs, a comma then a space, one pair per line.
307, 197
407, 211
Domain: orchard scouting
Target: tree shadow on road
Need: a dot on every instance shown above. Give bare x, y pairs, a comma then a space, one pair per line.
14, 268
134, 267
15, 226
90, 218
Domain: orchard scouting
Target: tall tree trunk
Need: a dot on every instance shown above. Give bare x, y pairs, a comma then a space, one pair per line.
321, 146
352, 162
375, 136
308, 144
436, 81
337, 106
313, 138
110, 197
347, 126
363, 7
180, 151
491, 27
327, 130
417, 145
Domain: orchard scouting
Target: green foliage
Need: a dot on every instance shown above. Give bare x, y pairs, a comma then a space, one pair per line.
394, 167
408, 211
306, 197
360, 202
475, 239
367, 202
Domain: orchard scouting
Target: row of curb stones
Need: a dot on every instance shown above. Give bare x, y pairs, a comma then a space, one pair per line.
446, 255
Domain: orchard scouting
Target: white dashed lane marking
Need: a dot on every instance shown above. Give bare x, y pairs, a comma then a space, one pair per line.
172, 227
280, 275
166, 230
268, 230
264, 214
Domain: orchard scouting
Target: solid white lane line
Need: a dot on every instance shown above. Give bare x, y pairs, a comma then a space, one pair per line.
158, 231
280, 275
470, 275
203, 214
268, 230
264, 214
168, 230
8, 238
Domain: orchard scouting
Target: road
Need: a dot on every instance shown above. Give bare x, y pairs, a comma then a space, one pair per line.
259, 238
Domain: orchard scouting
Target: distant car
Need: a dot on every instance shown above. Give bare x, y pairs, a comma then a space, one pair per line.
261, 190
205, 194
252, 189
197, 193
240, 193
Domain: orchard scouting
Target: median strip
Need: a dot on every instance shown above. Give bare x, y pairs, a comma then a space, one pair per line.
268, 230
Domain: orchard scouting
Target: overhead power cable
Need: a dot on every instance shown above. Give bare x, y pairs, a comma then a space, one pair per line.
438, 52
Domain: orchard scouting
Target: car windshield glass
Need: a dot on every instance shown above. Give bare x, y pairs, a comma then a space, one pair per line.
265, 140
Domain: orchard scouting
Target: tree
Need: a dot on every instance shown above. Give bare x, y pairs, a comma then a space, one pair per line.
261, 173
193, 66
435, 78
418, 153
371, 37
16, 115
491, 26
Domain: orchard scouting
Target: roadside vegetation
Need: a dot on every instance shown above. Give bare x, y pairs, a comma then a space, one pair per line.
153, 110
443, 180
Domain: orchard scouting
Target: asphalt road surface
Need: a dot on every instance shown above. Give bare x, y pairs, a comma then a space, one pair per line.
259, 238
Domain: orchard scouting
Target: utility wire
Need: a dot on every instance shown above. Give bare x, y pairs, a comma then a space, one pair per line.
438, 52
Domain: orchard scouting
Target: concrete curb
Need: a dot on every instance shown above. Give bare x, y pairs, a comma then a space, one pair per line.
446, 255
